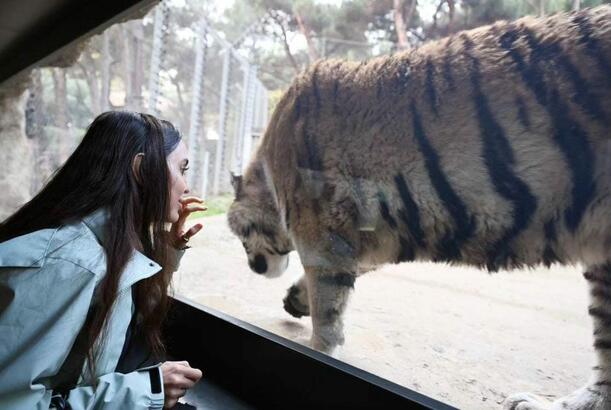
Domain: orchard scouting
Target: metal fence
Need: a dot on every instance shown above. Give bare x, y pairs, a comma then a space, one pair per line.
170, 63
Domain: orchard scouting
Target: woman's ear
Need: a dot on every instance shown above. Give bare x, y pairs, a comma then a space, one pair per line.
136, 167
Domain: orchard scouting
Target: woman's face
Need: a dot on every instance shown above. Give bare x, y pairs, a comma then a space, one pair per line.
178, 162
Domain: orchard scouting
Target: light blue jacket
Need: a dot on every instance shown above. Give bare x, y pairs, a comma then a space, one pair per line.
47, 282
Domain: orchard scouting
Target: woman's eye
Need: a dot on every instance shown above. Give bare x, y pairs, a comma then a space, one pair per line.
183, 170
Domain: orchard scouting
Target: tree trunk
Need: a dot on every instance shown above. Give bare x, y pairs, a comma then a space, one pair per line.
305, 30
451, 6
400, 26
133, 65
182, 106
105, 65
285, 43
61, 143
88, 68
34, 130
576, 4
16, 152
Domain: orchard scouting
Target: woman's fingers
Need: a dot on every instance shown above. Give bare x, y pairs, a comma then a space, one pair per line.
191, 199
192, 374
184, 214
178, 377
180, 381
188, 209
193, 230
169, 402
180, 374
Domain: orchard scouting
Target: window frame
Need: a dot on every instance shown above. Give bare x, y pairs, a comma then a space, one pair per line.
269, 371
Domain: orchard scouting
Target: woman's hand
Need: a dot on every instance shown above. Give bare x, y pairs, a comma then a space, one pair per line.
178, 377
179, 236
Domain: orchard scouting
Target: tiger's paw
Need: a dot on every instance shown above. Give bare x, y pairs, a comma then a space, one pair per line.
587, 398
296, 302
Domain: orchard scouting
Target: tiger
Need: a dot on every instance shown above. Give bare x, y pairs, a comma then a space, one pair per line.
489, 148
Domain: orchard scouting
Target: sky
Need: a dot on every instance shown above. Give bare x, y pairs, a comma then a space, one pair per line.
426, 7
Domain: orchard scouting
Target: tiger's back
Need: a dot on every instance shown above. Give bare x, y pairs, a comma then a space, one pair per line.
489, 148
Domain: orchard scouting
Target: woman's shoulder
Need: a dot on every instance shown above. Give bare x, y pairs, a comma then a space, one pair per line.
72, 243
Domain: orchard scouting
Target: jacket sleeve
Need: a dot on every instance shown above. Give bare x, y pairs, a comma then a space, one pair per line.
42, 312
142, 389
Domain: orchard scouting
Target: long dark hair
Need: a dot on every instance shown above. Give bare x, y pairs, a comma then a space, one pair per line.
99, 174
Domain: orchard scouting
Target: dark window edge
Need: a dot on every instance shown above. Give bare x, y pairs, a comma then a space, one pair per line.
270, 371
83, 20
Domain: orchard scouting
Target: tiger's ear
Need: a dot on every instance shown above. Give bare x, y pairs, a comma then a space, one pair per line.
236, 182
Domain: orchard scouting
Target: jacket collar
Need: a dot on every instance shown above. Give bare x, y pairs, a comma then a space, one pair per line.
31, 249
96, 221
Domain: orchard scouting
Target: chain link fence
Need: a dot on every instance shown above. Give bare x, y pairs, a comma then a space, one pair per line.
171, 63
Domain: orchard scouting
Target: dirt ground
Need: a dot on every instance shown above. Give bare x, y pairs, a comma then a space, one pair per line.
459, 335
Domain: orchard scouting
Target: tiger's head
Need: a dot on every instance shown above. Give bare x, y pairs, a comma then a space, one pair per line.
254, 218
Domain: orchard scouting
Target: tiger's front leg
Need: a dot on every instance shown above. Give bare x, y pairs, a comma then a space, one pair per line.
596, 395
328, 295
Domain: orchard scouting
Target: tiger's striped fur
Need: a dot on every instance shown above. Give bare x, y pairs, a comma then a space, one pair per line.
490, 148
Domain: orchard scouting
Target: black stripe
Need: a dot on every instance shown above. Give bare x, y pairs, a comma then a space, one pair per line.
310, 159
498, 158
430, 86
601, 292
583, 96
449, 246
385, 211
331, 314
406, 251
523, 112
447, 66
316, 90
336, 96
600, 314
298, 108
549, 254
328, 191
602, 344
531, 75
338, 245
591, 277
568, 134
592, 44
339, 279
287, 215
573, 142
402, 75
603, 383
411, 214
336, 72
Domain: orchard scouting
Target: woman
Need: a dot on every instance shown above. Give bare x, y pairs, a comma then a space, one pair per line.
84, 272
